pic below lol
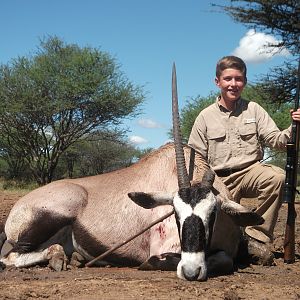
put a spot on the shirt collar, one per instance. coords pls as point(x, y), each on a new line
point(221, 107)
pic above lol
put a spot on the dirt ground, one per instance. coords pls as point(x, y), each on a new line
point(281, 281)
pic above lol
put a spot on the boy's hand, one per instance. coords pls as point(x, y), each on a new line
point(296, 115)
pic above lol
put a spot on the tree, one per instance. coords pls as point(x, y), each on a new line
point(98, 153)
point(279, 86)
point(140, 153)
point(13, 166)
point(52, 99)
point(279, 17)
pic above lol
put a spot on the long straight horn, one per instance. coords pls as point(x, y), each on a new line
point(183, 178)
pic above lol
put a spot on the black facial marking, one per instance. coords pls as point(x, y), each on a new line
point(212, 219)
point(193, 235)
point(194, 194)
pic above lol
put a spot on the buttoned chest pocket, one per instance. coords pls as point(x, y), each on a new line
point(248, 138)
point(217, 146)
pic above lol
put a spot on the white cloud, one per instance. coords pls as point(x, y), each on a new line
point(148, 123)
point(137, 140)
point(254, 47)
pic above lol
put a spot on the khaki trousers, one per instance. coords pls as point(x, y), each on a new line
point(264, 182)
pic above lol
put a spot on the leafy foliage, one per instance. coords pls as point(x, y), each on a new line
point(280, 84)
point(279, 17)
point(54, 98)
point(97, 154)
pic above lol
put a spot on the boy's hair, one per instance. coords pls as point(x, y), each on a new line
point(231, 62)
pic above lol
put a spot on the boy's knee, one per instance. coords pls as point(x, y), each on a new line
point(276, 175)
point(279, 178)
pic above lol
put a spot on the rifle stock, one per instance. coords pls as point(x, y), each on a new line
point(290, 185)
point(289, 239)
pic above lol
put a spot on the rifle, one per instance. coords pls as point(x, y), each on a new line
point(290, 185)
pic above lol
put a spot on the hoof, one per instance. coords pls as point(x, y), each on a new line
point(6, 248)
point(58, 263)
point(77, 260)
point(57, 258)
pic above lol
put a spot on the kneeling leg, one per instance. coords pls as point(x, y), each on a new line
point(55, 255)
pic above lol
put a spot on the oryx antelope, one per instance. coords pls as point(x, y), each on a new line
point(90, 215)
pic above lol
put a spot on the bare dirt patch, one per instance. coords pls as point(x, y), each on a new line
point(281, 281)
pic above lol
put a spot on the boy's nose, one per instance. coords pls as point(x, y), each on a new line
point(233, 82)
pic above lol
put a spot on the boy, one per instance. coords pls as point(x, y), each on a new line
point(231, 134)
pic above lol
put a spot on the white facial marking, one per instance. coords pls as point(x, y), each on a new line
point(189, 261)
point(204, 209)
point(183, 209)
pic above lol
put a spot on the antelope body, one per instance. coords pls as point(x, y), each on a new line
point(92, 214)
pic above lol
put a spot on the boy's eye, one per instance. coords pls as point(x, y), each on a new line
point(240, 79)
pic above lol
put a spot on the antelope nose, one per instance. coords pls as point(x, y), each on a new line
point(191, 274)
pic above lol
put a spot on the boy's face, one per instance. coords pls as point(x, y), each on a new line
point(231, 83)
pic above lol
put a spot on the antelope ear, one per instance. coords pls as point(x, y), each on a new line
point(240, 214)
point(151, 200)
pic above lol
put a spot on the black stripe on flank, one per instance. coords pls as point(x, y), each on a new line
point(193, 235)
point(43, 226)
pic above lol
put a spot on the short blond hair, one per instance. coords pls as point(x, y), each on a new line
point(231, 62)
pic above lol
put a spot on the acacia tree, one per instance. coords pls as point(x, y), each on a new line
point(279, 17)
point(98, 153)
point(55, 97)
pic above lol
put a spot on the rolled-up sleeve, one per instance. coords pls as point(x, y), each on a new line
point(268, 131)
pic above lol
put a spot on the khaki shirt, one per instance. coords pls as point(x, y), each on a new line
point(235, 139)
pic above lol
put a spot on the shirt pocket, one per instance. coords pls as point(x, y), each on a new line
point(248, 138)
point(217, 146)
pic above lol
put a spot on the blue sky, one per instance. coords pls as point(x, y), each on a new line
point(145, 37)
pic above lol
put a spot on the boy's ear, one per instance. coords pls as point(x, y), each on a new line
point(217, 81)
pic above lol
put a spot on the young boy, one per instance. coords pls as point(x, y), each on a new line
point(231, 134)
